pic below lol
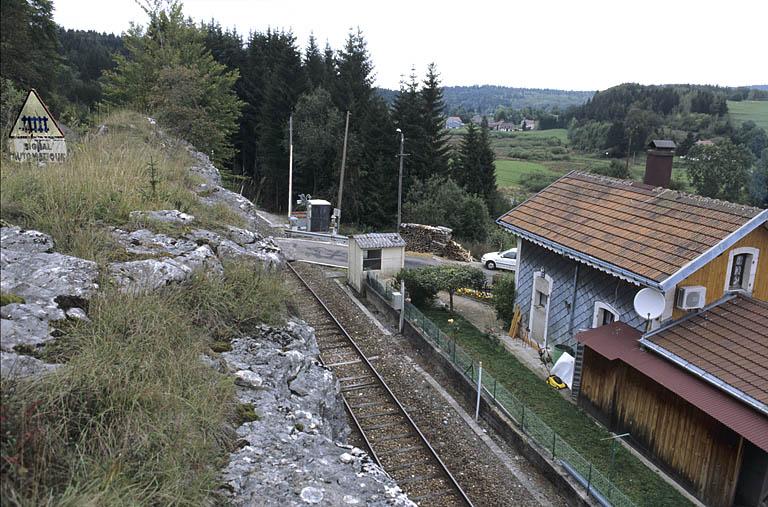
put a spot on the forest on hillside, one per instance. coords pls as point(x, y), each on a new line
point(232, 95)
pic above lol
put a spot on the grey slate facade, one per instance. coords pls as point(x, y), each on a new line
point(572, 300)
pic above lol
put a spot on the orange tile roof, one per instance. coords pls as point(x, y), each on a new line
point(728, 340)
point(649, 232)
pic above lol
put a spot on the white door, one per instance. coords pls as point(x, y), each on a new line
point(540, 300)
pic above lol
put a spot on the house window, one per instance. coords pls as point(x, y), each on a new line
point(371, 260)
point(737, 271)
point(604, 314)
point(541, 298)
point(742, 266)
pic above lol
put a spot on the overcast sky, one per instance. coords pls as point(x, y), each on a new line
point(565, 44)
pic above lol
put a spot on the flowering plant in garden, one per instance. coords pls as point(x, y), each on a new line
point(473, 293)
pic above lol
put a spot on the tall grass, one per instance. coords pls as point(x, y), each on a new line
point(105, 178)
point(134, 417)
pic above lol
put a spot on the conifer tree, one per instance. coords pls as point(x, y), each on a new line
point(371, 171)
point(169, 73)
point(407, 116)
point(476, 171)
point(283, 85)
point(435, 144)
point(314, 64)
point(29, 44)
point(329, 64)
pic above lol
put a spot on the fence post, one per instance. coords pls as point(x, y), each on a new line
point(494, 388)
point(554, 437)
point(479, 388)
point(522, 420)
point(402, 308)
point(589, 480)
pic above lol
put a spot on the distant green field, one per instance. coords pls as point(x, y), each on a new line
point(755, 110)
point(561, 134)
point(508, 172)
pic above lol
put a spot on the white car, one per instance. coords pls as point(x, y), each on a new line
point(501, 260)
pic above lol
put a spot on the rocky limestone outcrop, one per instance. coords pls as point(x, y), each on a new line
point(292, 454)
point(212, 193)
point(433, 239)
point(52, 287)
point(170, 216)
point(175, 259)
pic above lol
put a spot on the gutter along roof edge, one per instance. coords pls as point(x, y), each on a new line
point(707, 377)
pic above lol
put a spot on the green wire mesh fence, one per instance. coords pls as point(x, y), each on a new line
point(523, 417)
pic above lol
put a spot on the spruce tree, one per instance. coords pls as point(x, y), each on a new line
point(329, 65)
point(28, 44)
point(407, 116)
point(468, 159)
point(486, 166)
point(285, 82)
point(435, 145)
point(370, 195)
point(476, 171)
point(314, 64)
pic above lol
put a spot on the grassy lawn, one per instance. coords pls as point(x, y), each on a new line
point(755, 110)
point(561, 134)
point(638, 482)
point(508, 172)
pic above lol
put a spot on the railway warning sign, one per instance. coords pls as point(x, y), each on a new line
point(35, 134)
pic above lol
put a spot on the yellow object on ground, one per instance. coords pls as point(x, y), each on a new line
point(556, 382)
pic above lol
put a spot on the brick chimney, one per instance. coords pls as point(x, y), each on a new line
point(658, 165)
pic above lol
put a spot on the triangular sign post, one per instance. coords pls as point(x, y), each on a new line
point(34, 120)
point(35, 134)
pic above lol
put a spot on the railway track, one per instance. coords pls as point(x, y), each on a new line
point(393, 439)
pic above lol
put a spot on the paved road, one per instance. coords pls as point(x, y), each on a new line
point(329, 253)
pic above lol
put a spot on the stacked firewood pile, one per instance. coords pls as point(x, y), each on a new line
point(433, 239)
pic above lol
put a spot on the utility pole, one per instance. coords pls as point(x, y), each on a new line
point(400, 181)
point(290, 166)
point(341, 175)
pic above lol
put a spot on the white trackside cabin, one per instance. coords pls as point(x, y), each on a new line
point(382, 253)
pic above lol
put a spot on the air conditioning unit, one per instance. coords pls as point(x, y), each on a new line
point(691, 297)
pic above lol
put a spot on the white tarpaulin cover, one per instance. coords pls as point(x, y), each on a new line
point(563, 368)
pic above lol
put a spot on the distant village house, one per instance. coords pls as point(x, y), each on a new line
point(453, 122)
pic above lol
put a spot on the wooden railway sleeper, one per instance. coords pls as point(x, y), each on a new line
point(420, 478)
point(399, 436)
point(383, 426)
point(401, 450)
point(357, 387)
point(378, 414)
point(358, 377)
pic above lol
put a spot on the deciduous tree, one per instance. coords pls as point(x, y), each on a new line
point(169, 73)
point(719, 170)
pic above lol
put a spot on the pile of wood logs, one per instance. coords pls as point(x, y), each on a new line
point(433, 239)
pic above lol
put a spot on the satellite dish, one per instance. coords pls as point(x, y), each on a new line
point(649, 303)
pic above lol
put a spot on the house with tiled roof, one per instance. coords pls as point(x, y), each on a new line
point(689, 384)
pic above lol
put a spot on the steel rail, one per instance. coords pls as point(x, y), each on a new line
point(390, 394)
